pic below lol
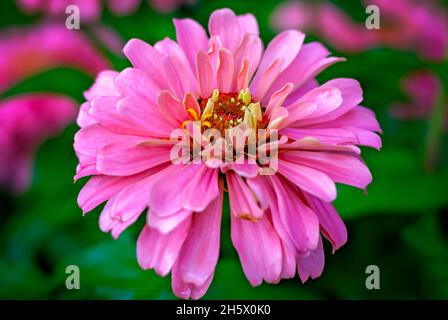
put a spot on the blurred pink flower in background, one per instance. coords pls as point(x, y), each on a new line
point(276, 220)
point(90, 10)
point(416, 25)
point(293, 15)
point(25, 122)
point(423, 87)
point(27, 51)
point(341, 31)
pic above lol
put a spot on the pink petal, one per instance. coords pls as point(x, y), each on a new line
point(309, 62)
point(191, 37)
point(84, 171)
point(103, 86)
point(171, 107)
point(146, 58)
point(284, 46)
point(135, 83)
point(314, 145)
point(248, 23)
point(186, 291)
point(266, 79)
point(243, 76)
point(340, 167)
point(299, 221)
point(251, 48)
point(319, 101)
point(277, 99)
point(331, 223)
point(204, 73)
point(351, 95)
point(88, 140)
point(323, 135)
point(289, 263)
point(191, 187)
point(101, 188)
point(359, 117)
point(132, 200)
point(169, 47)
point(199, 255)
point(123, 159)
point(190, 102)
point(259, 249)
point(115, 226)
point(121, 116)
point(84, 119)
point(144, 118)
point(310, 180)
point(242, 201)
point(312, 265)
point(225, 71)
point(159, 251)
point(225, 24)
point(179, 76)
point(165, 224)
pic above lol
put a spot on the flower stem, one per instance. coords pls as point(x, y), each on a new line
point(435, 130)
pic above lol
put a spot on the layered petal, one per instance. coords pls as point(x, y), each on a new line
point(196, 263)
point(259, 249)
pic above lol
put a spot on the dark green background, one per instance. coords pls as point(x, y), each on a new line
point(401, 226)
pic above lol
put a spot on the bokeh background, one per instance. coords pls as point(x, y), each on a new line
point(401, 225)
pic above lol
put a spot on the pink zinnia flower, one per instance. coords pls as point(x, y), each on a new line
point(405, 24)
point(30, 50)
point(223, 80)
point(90, 10)
point(414, 24)
point(25, 122)
point(423, 87)
point(327, 21)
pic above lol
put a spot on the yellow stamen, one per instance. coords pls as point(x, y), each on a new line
point(247, 98)
point(206, 116)
point(184, 124)
point(208, 108)
point(252, 115)
point(193, 113)
point(206, 124)
point(240, 95)
point(215, 95)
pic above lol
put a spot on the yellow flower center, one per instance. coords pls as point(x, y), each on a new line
point(222, 111)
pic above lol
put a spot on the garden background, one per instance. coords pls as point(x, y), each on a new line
point(401, 225)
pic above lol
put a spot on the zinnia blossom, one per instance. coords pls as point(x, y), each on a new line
point(404, 24)
point(423, 87)
point(28, 120)
point(25, 122)
point(27, 51)
point(223, 81)
point(90, 10)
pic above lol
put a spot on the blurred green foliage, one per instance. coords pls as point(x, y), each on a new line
point(401, 226)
